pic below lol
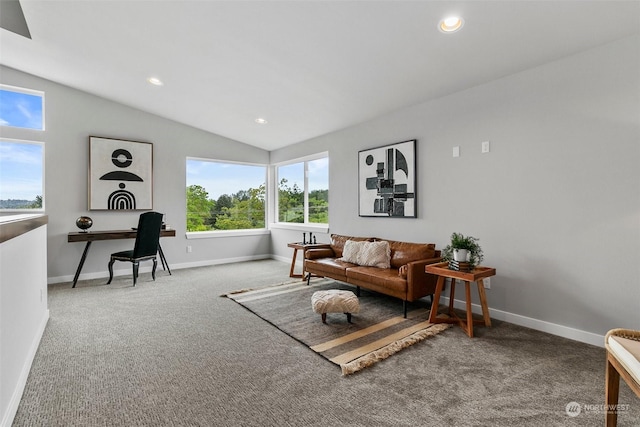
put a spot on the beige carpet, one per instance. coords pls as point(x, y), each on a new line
point(377, 332)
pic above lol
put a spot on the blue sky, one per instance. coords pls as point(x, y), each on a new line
point(227, 178)
point(20, 109)
point(20, 170)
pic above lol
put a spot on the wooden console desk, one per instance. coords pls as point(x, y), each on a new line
point(92, 236)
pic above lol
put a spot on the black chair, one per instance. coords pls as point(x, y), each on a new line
point(146, 246)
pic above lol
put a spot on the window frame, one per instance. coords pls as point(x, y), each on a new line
point(306, 225)
point(26, 91)
point(43, 147)
point(208, 234)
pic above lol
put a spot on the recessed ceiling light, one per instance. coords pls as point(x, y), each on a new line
point(261, 121)
point(450, 24)
point(155, 81)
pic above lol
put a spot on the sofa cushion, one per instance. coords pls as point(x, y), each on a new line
point(405, 252)
point(329, 267)
point(387, 278)
point(338, 241)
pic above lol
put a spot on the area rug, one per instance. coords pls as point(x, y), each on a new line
point(378, 331)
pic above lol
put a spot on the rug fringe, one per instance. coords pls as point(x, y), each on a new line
point(390, 349)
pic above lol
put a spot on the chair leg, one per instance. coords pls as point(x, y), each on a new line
point(153, 272)
point(136, 265)
point(612, 386)
point(111, 270)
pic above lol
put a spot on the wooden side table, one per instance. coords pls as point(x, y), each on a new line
point(299, 246)
point(478, 273)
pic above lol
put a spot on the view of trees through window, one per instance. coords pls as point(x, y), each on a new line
point(225, 196)
point(303, 192)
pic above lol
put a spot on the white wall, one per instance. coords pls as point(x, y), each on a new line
point(71, 116)
point(23, 313)
point(555, 204)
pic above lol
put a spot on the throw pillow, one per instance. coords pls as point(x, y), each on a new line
point(375, 254)
point(351, 250)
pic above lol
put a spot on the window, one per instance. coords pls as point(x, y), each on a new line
point(303, 191)
point(21, 175)
point(21, 108)
point(225, 196)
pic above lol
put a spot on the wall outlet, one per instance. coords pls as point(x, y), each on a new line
point(486, 282)
point(456, 151)
point(485, 146)
point(189, 249)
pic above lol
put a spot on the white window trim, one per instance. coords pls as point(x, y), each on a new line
point(28, 92)
point(213, 234)
point(306, 226)
point(44, 175)
point(226, 233)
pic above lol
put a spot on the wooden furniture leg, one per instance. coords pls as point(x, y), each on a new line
point(436, 300)
point(612, 386)
point(483, 303)
point(293, 263)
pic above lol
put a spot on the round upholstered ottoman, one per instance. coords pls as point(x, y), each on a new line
point(335, 301)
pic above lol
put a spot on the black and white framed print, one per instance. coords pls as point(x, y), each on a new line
point(120, 174)
point(387, 180)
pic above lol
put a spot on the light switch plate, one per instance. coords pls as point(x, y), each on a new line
point(456, 151)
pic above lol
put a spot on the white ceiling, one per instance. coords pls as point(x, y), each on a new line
point(308, 67)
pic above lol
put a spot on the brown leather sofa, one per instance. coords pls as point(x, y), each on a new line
point(405, 279)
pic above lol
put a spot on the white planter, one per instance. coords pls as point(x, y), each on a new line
point(460, 254)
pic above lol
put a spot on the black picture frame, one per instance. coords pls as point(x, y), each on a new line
point(387, 181)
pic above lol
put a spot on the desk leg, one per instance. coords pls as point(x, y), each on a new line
point(84, 256)
point(163, 259)
point(436, 300)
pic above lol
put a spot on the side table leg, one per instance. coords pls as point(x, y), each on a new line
point(164, 259)
point(436, 299)
point(452, 293)
point(79, 269)
point(293, 262)
point(467, 288)
point(483, 303)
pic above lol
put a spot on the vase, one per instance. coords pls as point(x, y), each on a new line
point(460, 254)
point(84, 223)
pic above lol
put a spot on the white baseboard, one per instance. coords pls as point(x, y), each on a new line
point(529, 322)
point(147, 268)
point(16, 396)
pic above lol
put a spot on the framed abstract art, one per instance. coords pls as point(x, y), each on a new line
point(387, 180)
point(120, 174)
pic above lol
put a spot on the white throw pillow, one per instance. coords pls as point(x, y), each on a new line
point(375, 254)
point(351, 250)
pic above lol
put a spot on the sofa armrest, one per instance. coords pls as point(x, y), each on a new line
point(319, 253)
point(419, 282)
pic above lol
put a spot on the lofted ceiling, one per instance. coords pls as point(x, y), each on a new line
point(307, 67)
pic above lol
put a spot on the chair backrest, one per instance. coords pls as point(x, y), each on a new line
point(148, 236)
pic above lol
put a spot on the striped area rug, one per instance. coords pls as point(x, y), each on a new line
point(378, 331)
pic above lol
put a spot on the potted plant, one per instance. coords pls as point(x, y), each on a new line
point(463, 249)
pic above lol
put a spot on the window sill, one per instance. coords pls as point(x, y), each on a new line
point(226, 233)
point(314, 228)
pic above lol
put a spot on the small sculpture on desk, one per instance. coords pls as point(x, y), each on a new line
point(84, 223)
point(304, 238)
point(314, 240)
